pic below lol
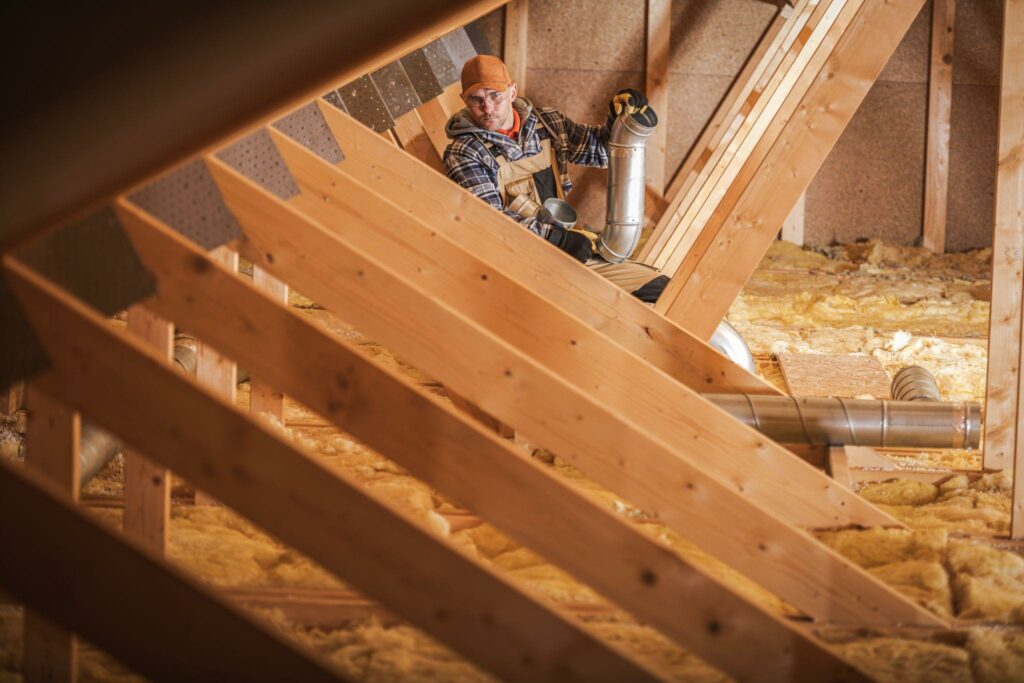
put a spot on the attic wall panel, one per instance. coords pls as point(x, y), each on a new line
point(972, 172)
point(871, 183)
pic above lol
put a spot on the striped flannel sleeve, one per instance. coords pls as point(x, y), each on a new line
point(464, 164)
point(585, 145)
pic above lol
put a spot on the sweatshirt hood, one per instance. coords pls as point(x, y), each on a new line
point(461, 123)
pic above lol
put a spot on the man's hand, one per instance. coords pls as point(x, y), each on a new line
point(627, 101)
point(573, 243)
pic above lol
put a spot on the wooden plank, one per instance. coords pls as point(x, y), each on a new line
point(659, 28)
point(730, 247)
point(128, 134)
point(562, 344)
point(838, 466)
point(434, 119)
point(521, 497)
point(504, 244)
point(147, 485)
point(517, 15)
point(1008, 275)
point(551, 412)
point(810, 45)
point(214, 370)
point(264, 398)
point(834, 375)
point(1004, 339)
point(53, 439)
point(11, 398)
point(722, 127)
point(414, 139)
point(940, 105)
point(315, 509)
point(451, 99)
point(793, 227)
point(111, 590)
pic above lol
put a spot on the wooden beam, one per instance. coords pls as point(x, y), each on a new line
point(521, 497)
point(659, 28)
point(749, 216)
point(413, 137)
point(1004, 404)
point(800, 57)
point(505, 244)
point(504, 381)
point(563, 344)
point(53, 439)
point(434, 119)
point(147, 485)
point(314, 509)
point(940, 105)
point(264, 397)
point(517, 14)
point(839, 466)
point(721, 126)
point(273, 57)
point(121, 597)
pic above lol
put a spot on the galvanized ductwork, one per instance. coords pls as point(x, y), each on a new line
point(914, 383)
point(857, 422)
point(625, 204)
point(727, 341)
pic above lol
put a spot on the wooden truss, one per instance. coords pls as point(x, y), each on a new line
point(571, 362)
point(812, 76)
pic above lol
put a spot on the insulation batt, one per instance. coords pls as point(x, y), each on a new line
point(898, 304)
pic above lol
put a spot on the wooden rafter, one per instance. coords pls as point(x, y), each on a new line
point(316, 510)
point(517, 14)
point(659, 27)
point(1003, 433)
point(110, 590)
point(402, 309)
point(464, 462)
point(778, 170)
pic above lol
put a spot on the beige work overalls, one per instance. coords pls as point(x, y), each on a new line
point(518, 189)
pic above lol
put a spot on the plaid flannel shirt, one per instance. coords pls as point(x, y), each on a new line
point(470, 163)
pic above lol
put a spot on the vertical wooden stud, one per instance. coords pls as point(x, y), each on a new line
point(264, 398)
point(659, 26)
point(517, 13)
point(1004, 435)
point(940, 101)
point(53, 441)
point(213, 370)
point(793, 228)
point(147, 486)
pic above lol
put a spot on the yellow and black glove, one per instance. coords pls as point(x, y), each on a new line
point(573, 243)
point(627, 101)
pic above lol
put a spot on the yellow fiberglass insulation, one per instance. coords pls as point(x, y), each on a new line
point(849, 299)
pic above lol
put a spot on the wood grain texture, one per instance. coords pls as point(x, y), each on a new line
point(53, 439)
point(110, 588)
point(659, 29)
point(517, 17)
point(940, 106)
point(724, 257)
point(413, 137)
point(504, 244)
point(147, 485)
point(513, 492)
point(264, 397)
point(316, 510)
point(509, 384)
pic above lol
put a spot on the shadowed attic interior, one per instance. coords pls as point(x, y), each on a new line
point(416, 485)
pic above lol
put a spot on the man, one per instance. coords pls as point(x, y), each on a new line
point(515, 156)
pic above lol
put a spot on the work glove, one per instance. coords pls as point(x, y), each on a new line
point(627, 101)
point(573, 243)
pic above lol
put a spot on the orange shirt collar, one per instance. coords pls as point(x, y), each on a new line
point(512, 132)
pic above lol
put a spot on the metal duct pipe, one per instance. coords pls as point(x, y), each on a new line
point(625, 204)
point(914, 383)
point(98, 446)
point(834, 421)
point(727, 341)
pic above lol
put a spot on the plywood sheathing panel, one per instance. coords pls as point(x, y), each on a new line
point(459, 47)
point(871, 185)
point(487, 33)
point(395, 88)
point(835, 376)
point(422, 77)
point(441, 63)
point(972, 173)
point(256, 157)
point(363, 101)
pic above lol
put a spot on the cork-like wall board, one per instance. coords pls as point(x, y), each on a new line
point(256, 157)
point(307, 126)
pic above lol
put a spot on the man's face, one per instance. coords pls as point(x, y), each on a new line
point(492, 109)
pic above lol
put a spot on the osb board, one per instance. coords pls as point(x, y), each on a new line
point(817, 374)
